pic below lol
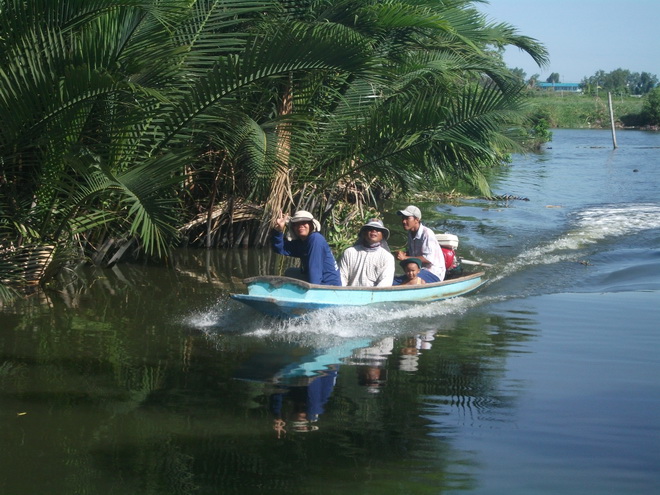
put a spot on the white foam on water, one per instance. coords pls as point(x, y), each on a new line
point(204, 318)
point(591, 226)
point(222, 316)
point(326, 327)
point(618, 220)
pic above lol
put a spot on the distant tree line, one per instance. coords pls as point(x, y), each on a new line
point(620, 82)
point(651, 109)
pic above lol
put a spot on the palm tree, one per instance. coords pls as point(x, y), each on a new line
point(123, 120)
point(110, 104)
point(432, 104)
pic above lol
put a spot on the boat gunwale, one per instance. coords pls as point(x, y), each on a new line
point(278, 281)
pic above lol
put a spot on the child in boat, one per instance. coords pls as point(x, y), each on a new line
point(411, 268)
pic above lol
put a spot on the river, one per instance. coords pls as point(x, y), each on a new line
point(150, 380)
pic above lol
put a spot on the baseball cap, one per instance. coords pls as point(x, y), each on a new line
point(410, 211)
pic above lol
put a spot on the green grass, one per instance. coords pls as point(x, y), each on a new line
point(578, 111)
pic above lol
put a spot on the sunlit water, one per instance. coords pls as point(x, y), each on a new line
point(151, 380)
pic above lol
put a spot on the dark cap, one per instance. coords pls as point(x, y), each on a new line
point(405, 262)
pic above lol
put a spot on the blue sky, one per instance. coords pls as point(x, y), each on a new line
point(583, 36)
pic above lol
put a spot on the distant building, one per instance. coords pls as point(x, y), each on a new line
point(570, 87)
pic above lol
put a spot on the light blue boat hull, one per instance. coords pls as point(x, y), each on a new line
point(288, 297)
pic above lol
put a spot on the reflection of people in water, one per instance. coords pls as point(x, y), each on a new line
point(413, 348)
point(373, 378)
point(372, 360)
point(302, 403)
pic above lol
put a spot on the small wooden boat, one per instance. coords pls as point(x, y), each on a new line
point(288, 297)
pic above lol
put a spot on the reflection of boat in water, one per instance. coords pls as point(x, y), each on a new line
point(286, 297)
point(287, 364)
point(299, 391)
point(299, 381)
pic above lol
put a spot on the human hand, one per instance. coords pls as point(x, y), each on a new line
point(278, 426)
point(281, 221)
point(400, 255)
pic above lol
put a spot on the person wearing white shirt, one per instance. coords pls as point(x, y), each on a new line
point(368, 263)
point(422, 244)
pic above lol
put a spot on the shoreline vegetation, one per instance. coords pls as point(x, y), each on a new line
point(581, 111)
point(130, 128)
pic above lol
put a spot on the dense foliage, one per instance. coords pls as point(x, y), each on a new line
point(127, 123)
point(580, 111)
point(553, 78)
point(620, 82)
point(651, 109)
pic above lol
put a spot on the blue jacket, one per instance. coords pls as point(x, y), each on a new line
point(317, 261)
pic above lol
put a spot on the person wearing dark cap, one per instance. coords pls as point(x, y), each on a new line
point(411, 268)
point(422, 244)
point(317, 263)
point(368, 263)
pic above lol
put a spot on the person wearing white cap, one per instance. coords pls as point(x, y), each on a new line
point(422, 244)
point(368, 263)
point(317, 263)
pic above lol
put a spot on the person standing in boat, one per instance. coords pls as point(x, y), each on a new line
point(317, 263)
point(422, 244)
point(368, 263)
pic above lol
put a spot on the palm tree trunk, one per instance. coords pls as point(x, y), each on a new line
point(208, 242)
point(281, 197)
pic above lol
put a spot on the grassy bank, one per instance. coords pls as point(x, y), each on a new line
point(575, 111)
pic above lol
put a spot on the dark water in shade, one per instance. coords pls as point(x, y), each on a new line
point(150, 380)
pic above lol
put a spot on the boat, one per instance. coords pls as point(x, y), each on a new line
point(289, 297)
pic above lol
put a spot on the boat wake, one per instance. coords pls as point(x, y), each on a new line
point(317, 329)
point(590, 226)
point(326, 326)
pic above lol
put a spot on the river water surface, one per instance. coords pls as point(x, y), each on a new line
point(150, 380)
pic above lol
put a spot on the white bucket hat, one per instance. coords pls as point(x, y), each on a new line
point(303, 216)
point(374, 223)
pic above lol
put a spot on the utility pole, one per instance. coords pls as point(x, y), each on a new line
point(609, 97)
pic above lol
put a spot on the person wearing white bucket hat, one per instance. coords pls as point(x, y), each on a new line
point(368, 263)
point(317, 263)
point(422, 244)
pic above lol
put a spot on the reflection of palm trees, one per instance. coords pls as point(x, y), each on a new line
point(121, 391)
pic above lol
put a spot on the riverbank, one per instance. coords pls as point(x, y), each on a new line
point(580, 111)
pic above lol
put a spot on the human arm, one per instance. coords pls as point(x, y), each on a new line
point(402, 255)
point(386, 277)
point(277, 236)
point(315, 253)
point(344, 265)
point(431, 253)
point(277, 242)
point(284, 247)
